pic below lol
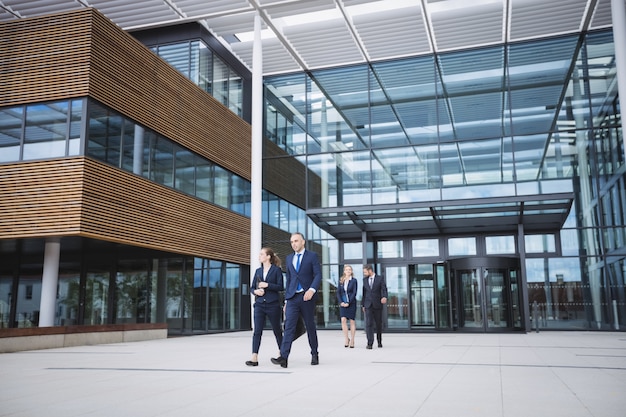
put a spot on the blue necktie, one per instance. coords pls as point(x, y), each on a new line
point(298, 269)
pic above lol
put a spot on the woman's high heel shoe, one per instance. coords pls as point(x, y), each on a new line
point(347, 343)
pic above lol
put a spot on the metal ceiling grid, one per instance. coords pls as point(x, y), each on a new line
point(350, 36)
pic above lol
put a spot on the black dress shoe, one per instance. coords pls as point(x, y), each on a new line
point(368, 347)
point(315, 359)
point(252, 363)
point(280, 361)
point(380, 344)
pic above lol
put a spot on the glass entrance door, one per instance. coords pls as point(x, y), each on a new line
point(485, 295)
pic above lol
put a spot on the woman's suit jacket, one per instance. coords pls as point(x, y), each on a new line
point(351, 293)
point(274, 280)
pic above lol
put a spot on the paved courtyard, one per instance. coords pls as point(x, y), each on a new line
point(569, 374)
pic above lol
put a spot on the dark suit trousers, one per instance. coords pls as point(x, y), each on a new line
point(296, 306)
point(374, 318)
point(274, 313)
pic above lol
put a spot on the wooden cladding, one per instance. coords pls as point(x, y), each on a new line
point(83, 197)
point(82, 53)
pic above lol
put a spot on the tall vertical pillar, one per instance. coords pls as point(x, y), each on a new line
point(49, 281)
point(618, 18)
point(256, 174)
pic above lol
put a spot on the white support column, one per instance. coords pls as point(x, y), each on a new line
point(256, 174)
point(49, 281)
point(618, 17)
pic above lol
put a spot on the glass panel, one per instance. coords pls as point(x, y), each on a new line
point(216, 296)
point(46, 130)
point(403, 175)
point(515, 300)
point(557, 286)
point(221, 73)
point(539, 243)
point(28, 298)
point(204, 178)
point(235, 93)
point(76, 125)
point(10, 133)
point(443, 297)
point(162, 163)
point(461, 246)
point(179, 293)
point(497, 306)
point(345, 89)
point(471, 314)
point(390, 249)
point(425, 247)
point(132, 292)
point(471, 77)
point(97, 297)
point(185, 170)
point(499, 245)
point(6, 283)
point(397, 302)
point(68, 299)
point(422, 295)
point(232, 297)
point(177, 55)
point(221, 188)
point(353, 250)
point(200, 294)
point(205, 66)
point(127, 150)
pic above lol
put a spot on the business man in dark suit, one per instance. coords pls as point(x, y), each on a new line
point(303, 278)
point(374, 296)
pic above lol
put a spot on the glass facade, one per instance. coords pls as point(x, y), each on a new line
point(512, 151)
point(195, 60)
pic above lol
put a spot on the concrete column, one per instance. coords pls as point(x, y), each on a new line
point(256, 175)
point(618, 18)
point(49, 281)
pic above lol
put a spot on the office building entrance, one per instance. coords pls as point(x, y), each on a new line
point(478, 294)
point(486, 294)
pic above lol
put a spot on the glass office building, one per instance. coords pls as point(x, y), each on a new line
point(487, 184)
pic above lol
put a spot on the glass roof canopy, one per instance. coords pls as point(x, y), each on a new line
point(472, 141)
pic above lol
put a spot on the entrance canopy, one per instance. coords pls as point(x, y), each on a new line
point(535, 213)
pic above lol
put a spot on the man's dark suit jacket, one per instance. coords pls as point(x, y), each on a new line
point(372, 296)
point(309, 276)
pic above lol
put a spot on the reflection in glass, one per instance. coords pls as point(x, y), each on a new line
point(397, 302)
point(422, 295)
point(68, 299)
point(97, 297)
point(462, 246)
point(45, 130)
point(10, 133)
point(425, 247)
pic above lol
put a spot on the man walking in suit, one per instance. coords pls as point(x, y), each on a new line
point(374, 296)
point(303, 278)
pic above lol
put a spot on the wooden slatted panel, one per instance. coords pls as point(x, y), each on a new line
point(80, 53)
point(40, 198)
point(122, 207)
point(82, 197)
point(44, 58)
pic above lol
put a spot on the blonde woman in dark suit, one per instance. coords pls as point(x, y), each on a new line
point(346, 296)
